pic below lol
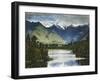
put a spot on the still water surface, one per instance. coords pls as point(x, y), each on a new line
point(62, 58)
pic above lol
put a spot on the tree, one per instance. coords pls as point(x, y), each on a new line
point(34, 38)
point(27, 37)
point(28, 41)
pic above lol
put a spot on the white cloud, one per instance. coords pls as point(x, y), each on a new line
point(48, 19)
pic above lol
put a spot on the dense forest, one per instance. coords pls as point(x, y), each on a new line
point(35, 56)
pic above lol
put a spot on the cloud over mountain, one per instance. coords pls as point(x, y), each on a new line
point(49, 19)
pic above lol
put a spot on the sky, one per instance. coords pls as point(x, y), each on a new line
point(49, 19)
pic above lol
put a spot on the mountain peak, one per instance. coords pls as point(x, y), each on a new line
point(63, 33)
point(56, 26)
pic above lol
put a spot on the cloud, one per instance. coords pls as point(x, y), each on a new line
point(48, 19)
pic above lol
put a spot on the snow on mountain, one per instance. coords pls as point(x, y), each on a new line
point(55, 33)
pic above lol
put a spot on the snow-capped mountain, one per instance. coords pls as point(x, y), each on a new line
point(56, 33)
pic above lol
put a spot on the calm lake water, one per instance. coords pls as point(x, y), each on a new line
point(62, 58)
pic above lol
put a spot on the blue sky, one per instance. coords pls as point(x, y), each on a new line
point(48, 19)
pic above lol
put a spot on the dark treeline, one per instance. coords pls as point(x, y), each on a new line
point(81, 49)
point(35, 56)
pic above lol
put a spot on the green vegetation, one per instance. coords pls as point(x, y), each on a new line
point(35, 57)
point(46, 37)
point(81, 49)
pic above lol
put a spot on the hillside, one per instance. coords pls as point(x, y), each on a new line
point(46, 37)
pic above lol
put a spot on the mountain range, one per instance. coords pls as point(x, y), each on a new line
point(55, 34)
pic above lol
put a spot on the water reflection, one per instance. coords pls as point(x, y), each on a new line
point(62, 58)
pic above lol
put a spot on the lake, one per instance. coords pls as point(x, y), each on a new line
point(62, 58)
